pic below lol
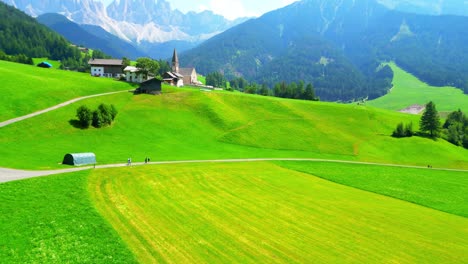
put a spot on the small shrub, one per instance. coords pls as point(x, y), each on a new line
point(97, 119)
point(106, 114)
point(113, 112)
point(403, 130)
point(399, 131)
point(409, 130)
point(84, 115)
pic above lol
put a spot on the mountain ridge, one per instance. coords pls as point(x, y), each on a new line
point(90, 36)
point(134, 21)
point(339, 47)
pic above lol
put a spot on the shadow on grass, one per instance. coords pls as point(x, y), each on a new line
point(76, 124)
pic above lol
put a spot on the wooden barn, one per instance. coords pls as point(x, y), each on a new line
point(151, 86)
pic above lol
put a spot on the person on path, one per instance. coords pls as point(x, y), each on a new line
point(129, 161)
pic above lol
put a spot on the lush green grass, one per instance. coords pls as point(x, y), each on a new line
point(262, 213)
point(52, 220)
point(443, 190)
point(408, 90)
point(55, 64)
point(201, 78)
point(26, 89)
point(186, 124)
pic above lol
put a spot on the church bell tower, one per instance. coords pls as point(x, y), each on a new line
point(175, 62)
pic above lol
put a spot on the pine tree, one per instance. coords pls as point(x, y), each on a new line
point(430, 121)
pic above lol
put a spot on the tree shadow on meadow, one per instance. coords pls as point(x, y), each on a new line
point(76, 124)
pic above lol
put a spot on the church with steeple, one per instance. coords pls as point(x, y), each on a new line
point(180, 76)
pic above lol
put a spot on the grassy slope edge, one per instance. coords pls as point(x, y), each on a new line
point(442, 190)
point(222, 125)
point(26, 89)
point(408, 90)
point(52, 220)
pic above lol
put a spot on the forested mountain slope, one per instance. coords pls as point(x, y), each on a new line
point(339, 47)
point(22, 34)
point(93, 37)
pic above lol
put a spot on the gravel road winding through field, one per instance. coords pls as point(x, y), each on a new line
point(7, 175)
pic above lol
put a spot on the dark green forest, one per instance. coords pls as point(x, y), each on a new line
point(21, 35)
point(339, 48)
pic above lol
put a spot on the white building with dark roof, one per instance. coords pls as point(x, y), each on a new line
point(135, 75)
point(109, 68)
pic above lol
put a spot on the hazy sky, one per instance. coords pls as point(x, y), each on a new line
point(228, 8)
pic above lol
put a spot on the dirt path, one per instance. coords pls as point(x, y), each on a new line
point(21, 118)
point(7, 175)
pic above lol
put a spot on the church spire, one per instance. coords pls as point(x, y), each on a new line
point(175, 62)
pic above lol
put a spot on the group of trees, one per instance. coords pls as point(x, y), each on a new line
point(295, 91)
point(104, 115)
point(149, 66)
point(20, 58)
point(216, 79)
point(292, 90)
point(454, 130)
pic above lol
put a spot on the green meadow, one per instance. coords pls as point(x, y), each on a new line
point(185, 124)
point(245, 212)
point(263, 213)
point(408, 90)
point(442, 190)
point(26, 88)
point(53, 220)
point(253, 212)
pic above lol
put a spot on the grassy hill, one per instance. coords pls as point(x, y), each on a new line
point(408, 90)
point(272, 212)
point(190, 124)
point(26, 89)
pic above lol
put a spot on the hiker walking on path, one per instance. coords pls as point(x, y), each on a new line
point(129, 161)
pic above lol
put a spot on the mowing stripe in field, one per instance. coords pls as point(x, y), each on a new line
point(260, 212)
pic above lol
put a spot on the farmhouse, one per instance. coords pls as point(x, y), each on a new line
point(109, 68)
point(134, 75)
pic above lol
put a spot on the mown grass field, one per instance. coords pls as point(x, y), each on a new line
point(26, 88)
point(442, 190)
point(187, 124)
point(408, 90)
point(53, 220)
point(263, 213)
